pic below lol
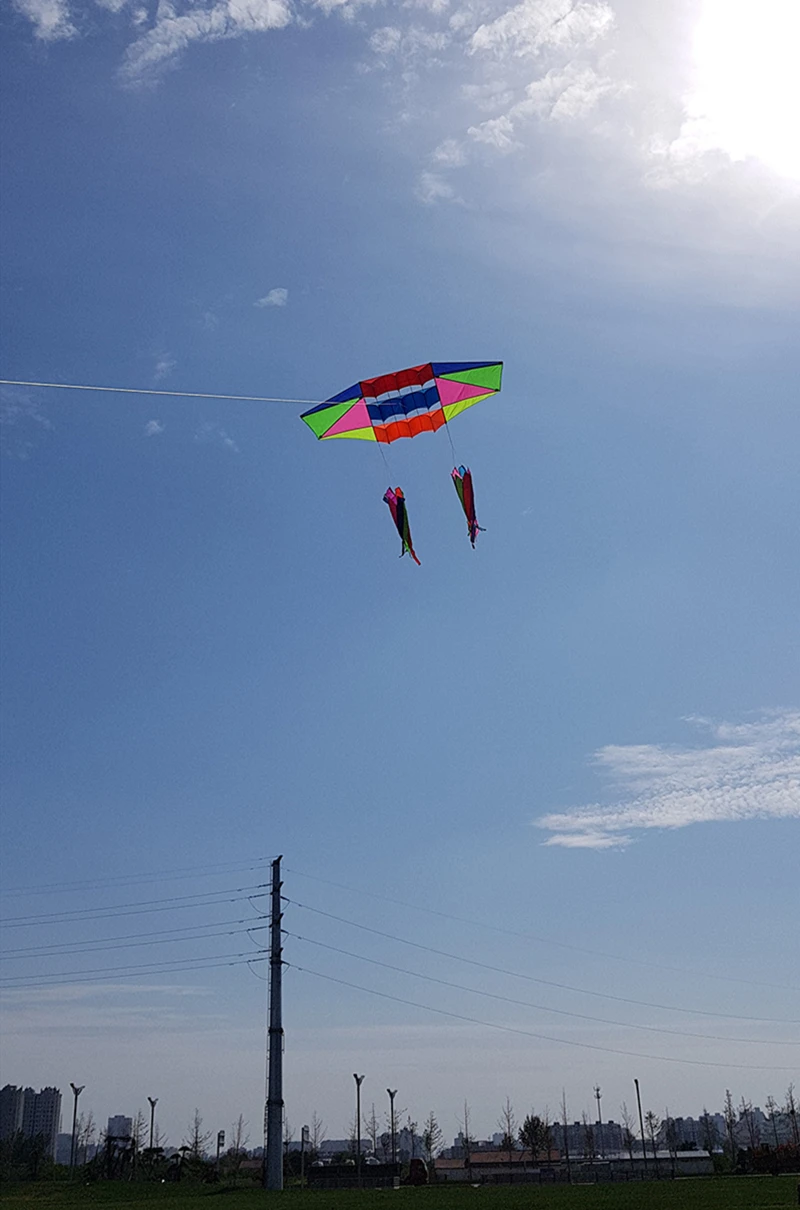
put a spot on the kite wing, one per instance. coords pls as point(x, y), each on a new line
point(397, 507)
point(417, 400)
point(462, 478)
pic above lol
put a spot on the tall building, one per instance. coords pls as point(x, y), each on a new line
point(119, 1127)
point(11, 1099)
point(31, 1112)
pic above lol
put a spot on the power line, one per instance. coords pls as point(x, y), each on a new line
point(533, 979)
point(511, 1029)
point(75, 386)
point(12, 981)
point(580, 949)
point(563, 1012)
point(243, 961)
point(210, 871)
point(120, 944)
point(77, 914)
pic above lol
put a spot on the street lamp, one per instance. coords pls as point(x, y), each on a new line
point(641, 1125)
point(601, 1146)
point(153, 1102)
point(359, 1081)
point(392, 1094)
point(77, 1089)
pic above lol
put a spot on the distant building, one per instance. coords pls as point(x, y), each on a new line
point(31, 1112)
point(119, 1127)
point(11, 1100)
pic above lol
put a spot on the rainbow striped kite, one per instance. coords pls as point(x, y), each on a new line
point(413, 401)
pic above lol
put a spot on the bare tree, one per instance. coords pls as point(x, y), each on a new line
point(772, 1114)
point(237, 1152)
point(628, 1129)
point(411, 1127)
point(709, 1135)
point(196, 1139)
point(316, 1133)
point(466, 1136)
point(588, 1136)
point(432, 1138)
point(508, 1125)
point(671, 1138)
point(653, 1126)
point(730, 1124)
point(84, 1136)
point(138, 1130)
point(565, 1127)
point(372, 1128)
point(753, 1132)
point(791, 1112)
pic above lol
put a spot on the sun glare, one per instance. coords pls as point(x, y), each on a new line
point(746, 99)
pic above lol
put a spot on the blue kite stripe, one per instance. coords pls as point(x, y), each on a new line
point(402, 406)
point(455, 367)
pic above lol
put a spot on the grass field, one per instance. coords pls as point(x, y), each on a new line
point(732, 1193)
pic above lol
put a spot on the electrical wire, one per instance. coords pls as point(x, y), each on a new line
point(12, 981)
point(563, 1012)
point(134, 974)
point(78, 914)
point(532, 978)
point(121, 880)
point(580, 949)
point(527, 1033)
point(120, 944)
point(75, 386)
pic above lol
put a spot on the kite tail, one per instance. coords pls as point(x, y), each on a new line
point(462, 480)
point(397, 507)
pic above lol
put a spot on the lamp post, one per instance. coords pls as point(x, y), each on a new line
point(599, 1122)
point(392, 1094)
point(641, 1125)
point(153, 1102)
point(77, 1089)
point(359, 1081)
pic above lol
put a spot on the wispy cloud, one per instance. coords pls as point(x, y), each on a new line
point(213, 433)
point(530, 27)
point(175, 30)
point(747, 771)
point(22, 422)
point(50, 18)
point(277, 297)
point(164, 366)
point(153, 428)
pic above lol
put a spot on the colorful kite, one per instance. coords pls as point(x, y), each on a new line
point(397, 507)
point(405, 404)
point(462, 478)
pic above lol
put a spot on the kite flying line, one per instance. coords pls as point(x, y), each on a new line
point(75, 386)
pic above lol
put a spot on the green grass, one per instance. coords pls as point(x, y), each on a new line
point(721, 1193)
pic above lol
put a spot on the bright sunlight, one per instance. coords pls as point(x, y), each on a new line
point(746, 100)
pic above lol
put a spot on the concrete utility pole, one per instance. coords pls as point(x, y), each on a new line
point(153, 1102)
point(392, 1094)
point(641, 1125)
point(599, 1121)
point(273, 1169)
point(359, 1081)
point(77, 1089)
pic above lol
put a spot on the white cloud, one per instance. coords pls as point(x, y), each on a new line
point(431, 187)
point(173, 32)
point(569, 94)
point(50, 18)
point(22, 422)
point(278, 297)
point(748, 771)
point(164, 366)
point(531, 26)
point(153, 428)
point(214, 433)
point(450, 154)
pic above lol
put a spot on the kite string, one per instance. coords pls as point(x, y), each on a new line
point(75, 386)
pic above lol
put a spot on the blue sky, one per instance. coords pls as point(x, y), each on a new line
point(586, 731)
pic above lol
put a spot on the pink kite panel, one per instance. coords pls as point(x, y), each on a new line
point(455, 392)
point(357, 417)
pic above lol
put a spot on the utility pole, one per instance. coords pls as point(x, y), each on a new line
point(641, 1125)
point(599, 1121)
point(359, 1081)
point(273, 1169)
point(153, 1102)
point(392, 1094)
point(77, 1089)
